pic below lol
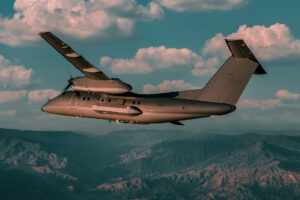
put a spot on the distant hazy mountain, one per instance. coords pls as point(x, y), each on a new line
point(149, 165)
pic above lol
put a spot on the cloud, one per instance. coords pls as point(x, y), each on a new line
point(270, 103)
point(285, 94)
point(108, 20)
point(8, 96)
point(125, 66)
point(34, 95)
point(267, 43)
point(8, 113)
point(168, 86)
point(201, 5)
point(206, 66)
point(148, 59)
point(13, 76)
point(262, 104)
point(40, 95)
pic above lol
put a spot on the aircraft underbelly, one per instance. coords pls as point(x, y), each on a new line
point(132, 117)
point(149, 112)
point(144, 118)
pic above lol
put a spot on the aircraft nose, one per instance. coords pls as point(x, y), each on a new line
point(46, 107)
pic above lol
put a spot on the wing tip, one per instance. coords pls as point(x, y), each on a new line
point(43, 33)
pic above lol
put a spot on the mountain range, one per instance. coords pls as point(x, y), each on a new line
point(149, 164)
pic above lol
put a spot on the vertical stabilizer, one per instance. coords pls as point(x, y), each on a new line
point(228, 83)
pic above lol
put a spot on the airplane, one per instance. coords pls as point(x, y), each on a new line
point(97, 95)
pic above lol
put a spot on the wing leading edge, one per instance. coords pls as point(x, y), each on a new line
point(89, 70)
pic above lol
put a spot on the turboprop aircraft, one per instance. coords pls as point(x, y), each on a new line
point(96, 95)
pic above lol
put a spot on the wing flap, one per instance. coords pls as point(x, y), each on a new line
point(73, 57)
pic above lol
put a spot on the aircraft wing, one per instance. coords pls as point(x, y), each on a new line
point(73, 57)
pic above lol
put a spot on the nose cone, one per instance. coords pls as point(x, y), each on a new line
point(44, 108)
point(47, 107)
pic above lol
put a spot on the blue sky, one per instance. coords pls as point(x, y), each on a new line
point(157, 46)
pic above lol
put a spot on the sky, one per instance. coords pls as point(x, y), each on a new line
point(156, 46)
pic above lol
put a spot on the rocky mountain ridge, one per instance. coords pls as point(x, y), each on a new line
point(149, 165)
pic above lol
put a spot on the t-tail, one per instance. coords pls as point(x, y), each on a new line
point(229, 82)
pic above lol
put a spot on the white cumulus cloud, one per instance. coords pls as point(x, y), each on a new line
point(40, 95)
point(106, 19)
point(10, 95)
point(206, 66)
point(267, 43)
point(262, 104)
point(148, 59)
point(8, 113)
point(270, 103)
point(285, 94)
point(201, 5)
point(168, 86)
point(12, 76)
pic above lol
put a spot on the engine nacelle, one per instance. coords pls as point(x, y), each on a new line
point(112, 86)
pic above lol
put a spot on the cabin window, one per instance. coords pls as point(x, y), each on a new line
point(139, 102)
point(102, 99)
point(83, 98)
point(88, 98)
point(108, 100)
point(133, 102)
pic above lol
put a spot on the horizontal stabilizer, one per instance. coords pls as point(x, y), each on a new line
point(239, 49)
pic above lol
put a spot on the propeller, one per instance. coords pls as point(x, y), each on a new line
point(70, 83)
